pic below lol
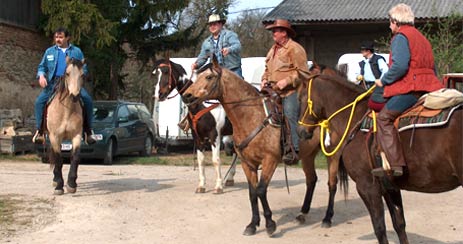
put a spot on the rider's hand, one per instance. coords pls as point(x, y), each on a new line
point(225, 51)
point(263, 83)
point(42, 81)
point(281, 84)
point(378, 83)
point(193, 66)
point(359, 77)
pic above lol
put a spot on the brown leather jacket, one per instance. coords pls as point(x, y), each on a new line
point(289, 62)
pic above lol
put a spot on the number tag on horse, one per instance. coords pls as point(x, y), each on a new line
point(66, 147)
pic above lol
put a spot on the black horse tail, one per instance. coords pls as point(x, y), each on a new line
point(344, 178)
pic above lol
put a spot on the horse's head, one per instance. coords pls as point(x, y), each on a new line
point(74, 76)
point(170, 76)
point(207, 84)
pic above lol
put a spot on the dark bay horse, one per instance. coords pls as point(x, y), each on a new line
point(64, 122)
point(243, 105)
point(431, 168)
point(208, 127)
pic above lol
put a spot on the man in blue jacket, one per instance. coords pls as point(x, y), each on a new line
point(50, 70)
point(224, 43)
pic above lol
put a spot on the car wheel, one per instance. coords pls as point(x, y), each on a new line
point(108, 159)
point(148, 147)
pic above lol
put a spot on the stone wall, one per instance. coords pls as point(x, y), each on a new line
point(20, 53)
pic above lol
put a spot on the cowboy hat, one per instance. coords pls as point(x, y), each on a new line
point(368, 45)
point(282, 23)
point(215, 18)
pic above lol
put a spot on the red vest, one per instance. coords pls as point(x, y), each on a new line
point(420, 75)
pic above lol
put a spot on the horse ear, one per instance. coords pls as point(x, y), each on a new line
point(68, 59)
point(83, 61)
point(215, 62)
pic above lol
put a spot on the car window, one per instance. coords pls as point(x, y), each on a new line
point(133, 112)
point(123, 114)
point(103, 114)
point(144, 113)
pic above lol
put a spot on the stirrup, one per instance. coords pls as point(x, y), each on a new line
point(290, 158)
point(38, 138)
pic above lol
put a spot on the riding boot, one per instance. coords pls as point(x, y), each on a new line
point(88, 136)
point(38, 137)
point(389, 141)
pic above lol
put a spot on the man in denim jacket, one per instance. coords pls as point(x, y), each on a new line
point(224, 44)
point(50, 69)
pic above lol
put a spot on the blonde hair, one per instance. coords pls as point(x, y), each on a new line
point(402, 14)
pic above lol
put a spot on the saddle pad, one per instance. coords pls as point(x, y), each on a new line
point(415, 119)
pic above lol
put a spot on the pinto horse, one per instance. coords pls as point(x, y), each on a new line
point(207, 125)
point(431, 168)
point(64, 122)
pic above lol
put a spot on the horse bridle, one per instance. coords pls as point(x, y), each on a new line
point(173, 82)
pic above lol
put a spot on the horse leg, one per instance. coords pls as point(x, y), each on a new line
point(251, 175)
point(202, 176)
point(55, 160)
point(333, 164)
point(394, 203)
point(370, 193)
point(72, 176)
point(268, 168)
point(309, 152)
point(218, 189)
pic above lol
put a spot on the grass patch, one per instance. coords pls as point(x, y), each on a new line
point(20, 157)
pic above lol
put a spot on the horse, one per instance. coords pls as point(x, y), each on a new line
point(65, 122)
point(256, 143)
point(430, 173)
point(208, 124)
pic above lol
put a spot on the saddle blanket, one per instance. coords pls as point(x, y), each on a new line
point(418, 117)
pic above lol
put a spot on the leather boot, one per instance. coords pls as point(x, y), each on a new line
point(389, 141)
point(88, 137)
point(38, 137)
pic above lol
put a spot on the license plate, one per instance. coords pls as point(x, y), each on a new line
point(66, 147)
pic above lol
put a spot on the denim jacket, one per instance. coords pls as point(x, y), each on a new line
point(49, 61)
point(227, 39)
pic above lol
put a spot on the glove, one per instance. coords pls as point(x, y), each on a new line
point(359, 77)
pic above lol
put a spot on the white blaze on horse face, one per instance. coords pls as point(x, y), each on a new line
point(73, 79)
point(157, 87)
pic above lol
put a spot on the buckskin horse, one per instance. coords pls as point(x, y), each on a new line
point(207, 124)
point(64, 122)
point(259, 143)
point(431, 168)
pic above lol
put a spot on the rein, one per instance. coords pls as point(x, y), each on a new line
point(324, 124)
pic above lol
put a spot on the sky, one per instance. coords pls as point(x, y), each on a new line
point(250, 4)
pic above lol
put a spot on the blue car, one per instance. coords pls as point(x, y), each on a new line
point(119, 128)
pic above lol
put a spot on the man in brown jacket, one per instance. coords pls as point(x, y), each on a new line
point(285, 67)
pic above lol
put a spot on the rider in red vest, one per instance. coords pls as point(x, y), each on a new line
point(411, 74)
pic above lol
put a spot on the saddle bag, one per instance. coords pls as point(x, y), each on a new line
point(443, 98)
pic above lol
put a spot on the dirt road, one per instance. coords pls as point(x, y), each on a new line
point(157, 204)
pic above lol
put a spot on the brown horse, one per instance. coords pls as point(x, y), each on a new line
point(208, 126)
point(64, 122)
point(439, 171)
point(243, 105)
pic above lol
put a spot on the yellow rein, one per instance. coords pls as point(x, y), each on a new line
point(324, 124)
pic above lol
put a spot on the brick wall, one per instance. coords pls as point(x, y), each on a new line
point(20, 53)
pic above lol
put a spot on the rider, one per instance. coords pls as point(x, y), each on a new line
point(224, 43)
point(50, 70)
point(411, 73)
point(286, 64)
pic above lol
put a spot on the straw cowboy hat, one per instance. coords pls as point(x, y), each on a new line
point(282, 23)
point(215, 18)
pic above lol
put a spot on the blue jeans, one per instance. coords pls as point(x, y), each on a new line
point(401, 103)
point(45, 94)
point(291, 112)
point(238, 71)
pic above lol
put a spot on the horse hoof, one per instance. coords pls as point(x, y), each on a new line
point(249, 231)
point(218, 191)
point(326, 224)
point(271, 227)
point(71, 189)
point(58, 192)
point(200, 190)
point(54, 184)
point(230, 183)
point(300, 219)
